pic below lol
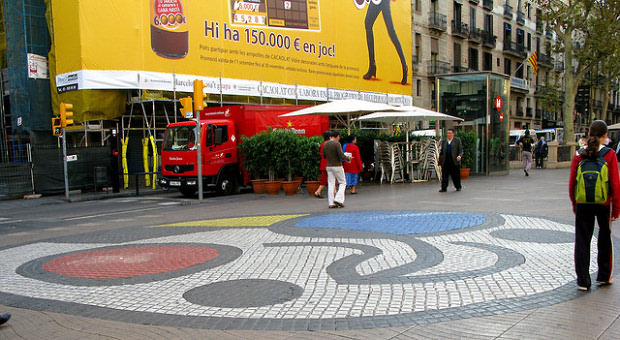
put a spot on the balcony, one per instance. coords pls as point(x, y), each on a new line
point(545, 60)
point(521, 85)
point(438, 21)
point(438, 67)
point(488, 40)
point(508, 12)
point(558, 66)
point(514, 49)
point(548, 33)
point(475, 35)
point(487, 4)
point(474, 1)
point(460, 30)
point(459, 69)
point(520, 18)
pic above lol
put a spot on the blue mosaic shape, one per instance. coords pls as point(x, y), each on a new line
point(399, 223)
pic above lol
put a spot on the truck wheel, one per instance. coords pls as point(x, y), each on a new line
point(187, 191)
point(227, 184)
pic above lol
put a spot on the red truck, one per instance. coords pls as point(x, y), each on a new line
point(221, 131)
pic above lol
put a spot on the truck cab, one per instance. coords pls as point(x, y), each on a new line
point(220, 166)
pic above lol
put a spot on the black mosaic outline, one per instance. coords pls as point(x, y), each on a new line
point(218, 294)
point(34, 269)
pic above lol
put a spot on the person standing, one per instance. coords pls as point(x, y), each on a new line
point(541, 151)
point(4, 318)
point(587, 194)
point(450, 156)
point(352, 168)
point(323, 182)
point(335, 172)
point(526, 151)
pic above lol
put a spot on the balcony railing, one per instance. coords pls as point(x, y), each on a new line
point(488, 40)
point(460, 30)
point(459, 69)
point(438, 21)
point(475, 35)
point(438, 67)
point(545, 60)
point(558, 66)
point(487, 4)
point(519, 84)
point(520, 18)
point(548, 33)
point(514, 49)
point(508, 12)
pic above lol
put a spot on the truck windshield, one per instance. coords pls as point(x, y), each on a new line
point(179, 138)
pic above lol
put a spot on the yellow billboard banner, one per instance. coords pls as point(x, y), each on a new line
point(306, 49)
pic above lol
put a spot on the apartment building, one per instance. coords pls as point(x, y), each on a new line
point(462, 36)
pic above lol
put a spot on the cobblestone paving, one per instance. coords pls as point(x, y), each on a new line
point(299, 272)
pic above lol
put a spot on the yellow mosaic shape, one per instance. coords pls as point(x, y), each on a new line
point(252, 221)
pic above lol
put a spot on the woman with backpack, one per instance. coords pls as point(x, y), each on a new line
point(594, 189)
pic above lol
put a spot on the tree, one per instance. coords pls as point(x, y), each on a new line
point(582, 28)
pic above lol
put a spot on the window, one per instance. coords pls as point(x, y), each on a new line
point(434, 46)
point(529, 41)
point(418, 43)
point(457, 13)
point(488, 23)
point(520, 37)
point(473, 59)
point(180, 138)
point(457, 57)
point(418, 88)
point(418, 7)
point(487, 63)
point(499, 62)
point(507, 66)
point(519, 73)
point(507, 33)
point(472, 18)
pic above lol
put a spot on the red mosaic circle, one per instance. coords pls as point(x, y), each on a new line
point(129, 262)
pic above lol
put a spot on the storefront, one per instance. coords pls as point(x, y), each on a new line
point(482, 100)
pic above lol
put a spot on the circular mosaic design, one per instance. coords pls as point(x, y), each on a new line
point(129, 262)
point(399, 223)
point(246, 293)
point(405, 268)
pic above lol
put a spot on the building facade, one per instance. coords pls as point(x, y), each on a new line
point(463, 36)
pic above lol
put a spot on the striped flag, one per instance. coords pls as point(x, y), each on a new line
point(533, 59)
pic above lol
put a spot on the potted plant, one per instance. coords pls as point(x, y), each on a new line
point(286, 151)
point(253, 159)
point(310, 162)
point(468, 138)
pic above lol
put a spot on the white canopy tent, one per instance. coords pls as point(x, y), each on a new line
point(338, 108)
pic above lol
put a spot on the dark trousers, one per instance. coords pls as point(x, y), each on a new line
point(539, 160)
point(371, 17)
point(584, 227)
point(449, 169)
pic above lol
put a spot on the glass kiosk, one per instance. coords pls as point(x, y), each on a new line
point(474, 97)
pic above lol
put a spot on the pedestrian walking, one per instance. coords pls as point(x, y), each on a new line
point(541, 151)
point(332, 150)
point(594, 190)
point(352, 168)
point(323, 181)
point(526, 143)
point(450, 160)
point(4, 318)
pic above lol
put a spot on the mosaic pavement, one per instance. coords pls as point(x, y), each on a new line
point(299, 272)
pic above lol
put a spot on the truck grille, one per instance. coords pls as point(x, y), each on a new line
point(179, 168)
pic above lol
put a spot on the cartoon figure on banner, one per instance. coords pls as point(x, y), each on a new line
point(374, 8)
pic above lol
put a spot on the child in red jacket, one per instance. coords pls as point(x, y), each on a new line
point(353, 168)
point(604, 213)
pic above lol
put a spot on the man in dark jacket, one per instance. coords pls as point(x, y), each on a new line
point(526, 143)
point(541, 151)
point(450, 156)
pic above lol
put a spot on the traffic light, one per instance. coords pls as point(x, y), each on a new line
point(56, 127)
point(199, 96)
point(66, 114)
point(186, 107)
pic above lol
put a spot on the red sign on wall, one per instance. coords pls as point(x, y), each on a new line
point(498, 103)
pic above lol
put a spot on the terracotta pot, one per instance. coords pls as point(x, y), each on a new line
point(312, 186)
point(273, 188)
point(290, 188)
point(464, 173)
point(259, 186)
point(298, 179)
